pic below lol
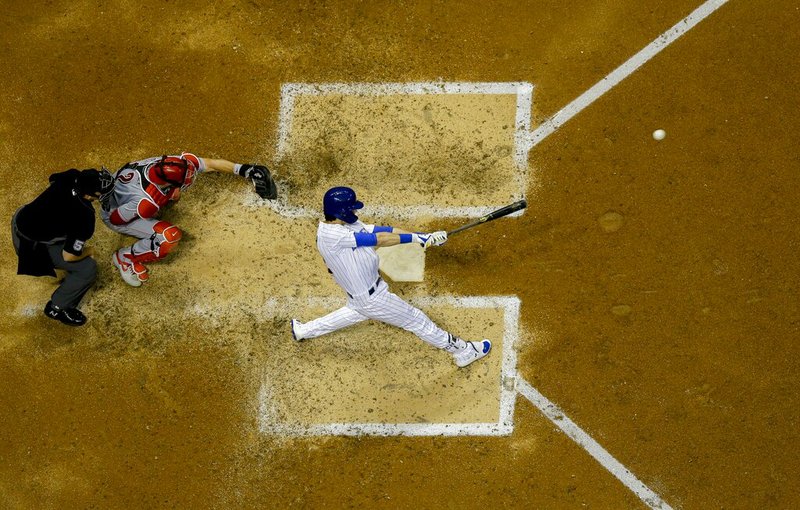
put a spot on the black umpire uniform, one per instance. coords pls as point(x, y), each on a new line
point(51, 232)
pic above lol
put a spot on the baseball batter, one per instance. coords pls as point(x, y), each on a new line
point(348, 247)
point(143, 188)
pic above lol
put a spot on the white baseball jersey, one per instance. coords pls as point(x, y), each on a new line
point(135, 196)
point(354, 269)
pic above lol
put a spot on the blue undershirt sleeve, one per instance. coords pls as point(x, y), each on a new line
point(382, 229)
point(365, 239)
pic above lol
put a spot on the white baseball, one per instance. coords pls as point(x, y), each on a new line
point(659, 134)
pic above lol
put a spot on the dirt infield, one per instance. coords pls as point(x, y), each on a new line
point(658, 282)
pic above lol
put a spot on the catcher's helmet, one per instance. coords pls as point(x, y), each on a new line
point(339, 203)
point(172, 171)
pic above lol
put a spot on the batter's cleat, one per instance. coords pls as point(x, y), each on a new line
point(295, 336)
point(134, 273)
point(69, 316)
point(472, 352)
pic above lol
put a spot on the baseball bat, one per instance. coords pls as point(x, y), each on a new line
point(503, 211)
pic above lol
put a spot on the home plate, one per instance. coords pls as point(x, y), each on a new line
point(402, 262)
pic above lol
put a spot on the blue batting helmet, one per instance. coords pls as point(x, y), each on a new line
point(340, 202)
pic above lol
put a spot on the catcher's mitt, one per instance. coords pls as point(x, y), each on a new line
point(262, 180)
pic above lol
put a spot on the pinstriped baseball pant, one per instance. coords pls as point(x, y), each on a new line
point(383, 306)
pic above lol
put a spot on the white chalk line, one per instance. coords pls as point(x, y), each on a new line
point(504, 426)
point(29, 310)
point(648, 496)
point(552, 124)
point(408, 88)
point(391, 429)
point(594, 449)
point(522, 90)
point(522, 133)
point(287, 210)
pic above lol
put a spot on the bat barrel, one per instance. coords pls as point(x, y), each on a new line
point(504, 211)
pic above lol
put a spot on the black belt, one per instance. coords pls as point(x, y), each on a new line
point(34, 241)
point(370, 291)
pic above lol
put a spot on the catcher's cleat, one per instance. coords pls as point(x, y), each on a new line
point(295, 336)
point(472, 352)
point(69, 316)
point(134, 273)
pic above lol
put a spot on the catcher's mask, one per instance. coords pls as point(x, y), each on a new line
point(339, 203)
point(96, 183)
point(172, 171)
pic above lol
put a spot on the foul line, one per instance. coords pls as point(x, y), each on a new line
point(549, 409)
point(565, 114)
point(600, 454)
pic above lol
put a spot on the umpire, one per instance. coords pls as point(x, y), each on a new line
point(51, 232)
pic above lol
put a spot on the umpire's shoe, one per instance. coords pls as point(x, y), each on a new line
point(472, 352)
point(69, 316)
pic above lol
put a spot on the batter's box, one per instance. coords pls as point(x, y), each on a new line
point(409, 149)
point(374, 379)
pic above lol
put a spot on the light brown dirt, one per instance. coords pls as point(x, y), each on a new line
point(659, 280)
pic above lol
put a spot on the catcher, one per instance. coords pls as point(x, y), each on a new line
point(143, 188)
